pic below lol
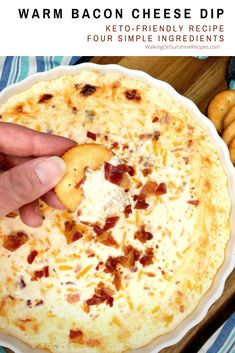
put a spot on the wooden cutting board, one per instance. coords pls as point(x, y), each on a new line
point(198, 80)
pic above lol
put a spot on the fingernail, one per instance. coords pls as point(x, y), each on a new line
point(50, 171)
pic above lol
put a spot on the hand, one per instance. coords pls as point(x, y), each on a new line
point(29, 169)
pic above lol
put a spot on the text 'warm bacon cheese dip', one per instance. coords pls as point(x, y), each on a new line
point(129, 264)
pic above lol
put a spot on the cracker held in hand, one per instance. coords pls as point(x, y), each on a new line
point(230, 117)
point(219, 107)
point(77, 159)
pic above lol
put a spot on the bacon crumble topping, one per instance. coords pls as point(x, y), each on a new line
point(110, 222)
point(142, 235)
point(102, 295)
point(14, 241)
point(45, 97)
point(127, 211)
point(41, 273)
point(140, 204)
point(161, 189)
point(31, 256)
point(116, 174)
point(76, 336)
point(147, 258)
point(87, 90)
point(133, 94)
point(91, 135)
point(71, 232)
point(193, 202)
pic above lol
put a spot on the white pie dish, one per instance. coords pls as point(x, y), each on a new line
point(218, 285)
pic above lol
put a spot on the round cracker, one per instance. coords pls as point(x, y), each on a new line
point(229, 117)
point(219, 107)
point(229, 133)
point(232, 151)
point(77, 159)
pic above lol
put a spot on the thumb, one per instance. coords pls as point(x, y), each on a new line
point(29, 181)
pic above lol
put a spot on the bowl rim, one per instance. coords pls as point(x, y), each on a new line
point(217, 287)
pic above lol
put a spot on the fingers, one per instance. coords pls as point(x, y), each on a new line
point(11, 161)
point(31, 215)
point(23, 142)
point(51, 199)
point(29, 181)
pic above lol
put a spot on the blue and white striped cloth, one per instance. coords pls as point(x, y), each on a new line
point(15, 69)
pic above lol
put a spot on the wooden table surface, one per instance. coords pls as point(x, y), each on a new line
point(198, 80)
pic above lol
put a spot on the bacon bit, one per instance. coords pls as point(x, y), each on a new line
point(181, 308)
point(69, 226)
point(93, 343)
point(14, 241)
point(145, 136)
point(19, 108)
point(100, 263)
point(111, 264)
point(131, 170)
point(87, 90)
point(125, 146)
point(45, 97)
point(147, 258)
point(108, 240)
point(142, 235)
point(146, 171)
point(32, 256)
point(91, 255)
point(141, 204)
point(114, 145)
point(186, 160)
point(133, 95)
point(155, 119)
point(71, 232)
point(79, 183)
point(76, 336)
point(110, 222)
point(40, 302)
point(156, 135)
point(132, 255)
point(41, 273)
point(163, 272)
point(91, 135)
point(115, 174)
point(29, 303)
point(74, 110)
point(161, 189)
point(127, 211)
point(22, 283)
point(117, 280)
point(150, 188)
point(76, 236)
point(73, 298)
point(190, 143)
point(97, 229)
point(101, 295)
point(12, 215)
point(193, 202)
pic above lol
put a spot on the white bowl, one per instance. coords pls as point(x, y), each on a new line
point(217, 287)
